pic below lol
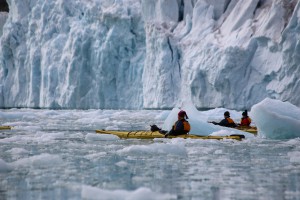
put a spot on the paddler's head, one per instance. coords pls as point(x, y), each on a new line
point(245, 113)
point(226, 114)
point(182, 114)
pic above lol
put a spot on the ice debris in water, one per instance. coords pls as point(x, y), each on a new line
point(44, 160)
point(95, 137)
point(4, 167)
point(89, 192)
point(156, 148)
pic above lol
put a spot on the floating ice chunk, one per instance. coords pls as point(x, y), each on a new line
point(30, 128)
point(156, 148)
point(294, 157)
point(229, 131)
point(12, 139)
point(88, 192)
point(98, 137)
point(40, 161)
point(95, 155)
point(114, 127)
point(276, 119)
point(4, 167)
point(77, 135)
point(177, 141)
point(293, 142)
point(42, 137)
point(222, 133)
point(122, 164)
point(163, 115)
point(18, 153)
point(219, 151)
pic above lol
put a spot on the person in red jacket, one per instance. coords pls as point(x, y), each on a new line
point(245, 120)
point(181, 126)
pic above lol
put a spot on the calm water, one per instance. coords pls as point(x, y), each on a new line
point(57, 155)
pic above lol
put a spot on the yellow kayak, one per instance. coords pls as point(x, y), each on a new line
point(5, 127)
point(249, 129)
point(156, 134)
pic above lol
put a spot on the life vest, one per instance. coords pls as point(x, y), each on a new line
point(187, 126)
point(230, 121)
point(182, 125)
point(245, 121)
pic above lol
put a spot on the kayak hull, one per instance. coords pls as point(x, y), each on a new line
point(5, 127)
point(248, 129)
point(156, 134)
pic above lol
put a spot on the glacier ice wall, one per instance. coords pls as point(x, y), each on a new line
point(149, 53)
point(228, 53)
point(72, 54)
point(3, 18)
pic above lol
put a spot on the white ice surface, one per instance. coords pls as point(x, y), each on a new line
point(276, 119)
point(88, 192)
point(294, 157)
point(39, 161)
point(94, 137)
point(156, 148)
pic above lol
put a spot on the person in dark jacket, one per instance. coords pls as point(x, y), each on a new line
point(227, 121)
point(181, 126)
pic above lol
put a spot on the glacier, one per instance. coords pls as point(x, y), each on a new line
point(153, 54)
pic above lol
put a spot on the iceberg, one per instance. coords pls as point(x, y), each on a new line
point(151, 54)
point(276, 119)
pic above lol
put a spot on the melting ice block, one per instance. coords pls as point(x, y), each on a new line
point(276, 119)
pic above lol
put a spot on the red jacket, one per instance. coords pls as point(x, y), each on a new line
point(245, 121)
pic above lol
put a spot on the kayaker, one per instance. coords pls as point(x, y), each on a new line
point(181, 126)
point(245, 120)
point(227, 121)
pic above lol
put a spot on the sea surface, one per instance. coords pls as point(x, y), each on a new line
point(56, 154)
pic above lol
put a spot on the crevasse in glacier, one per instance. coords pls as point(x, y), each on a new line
point(149, 53)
